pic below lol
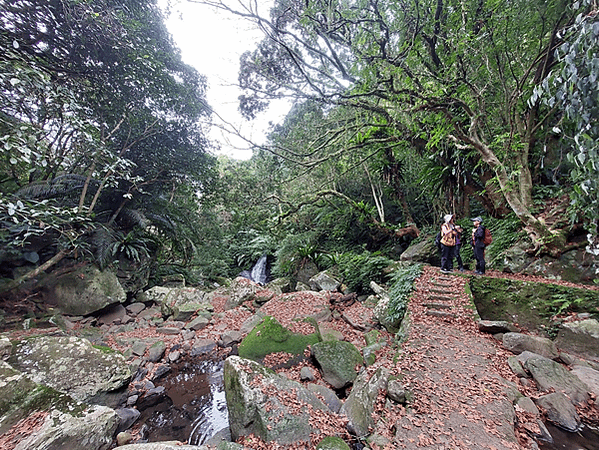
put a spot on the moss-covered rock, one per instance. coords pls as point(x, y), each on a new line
point(338, 361)
point(527, 304)
point(63, 422)
point(332, 443)
point(264, 403)
point(83, 291)
point(269, 336)
point(71, 365)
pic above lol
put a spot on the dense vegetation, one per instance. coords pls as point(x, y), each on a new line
point(404, 111)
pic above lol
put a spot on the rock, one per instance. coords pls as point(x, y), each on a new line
point(495, 326)
point(306, 374)
point(89, 429)
point(139, 348)
point(167, 445)
point(241, 290)
point(323, 282)
point(198, 323)
point(396, 391)
point(330, 334)
point(380, 311)
point(127, 417)
point(332, 443)
point(328, 395)
point(267, 415)
point(518, 343)
point(172, 300)
point(85, 291)
point(115, 314)
point(337, 361)
point(516, 367)
point(250, 323)
point(5, 348)
point(359, 405)
point(560, 411)
point(424, 252)
point(71, 365)
point(369, 353)
point(123, 438)
point(527, 405)
point(156, 351)
point(580, 337)
point(589, 377)
point(202, 346)
point(135, 308)
point(271, 337)
point(279, 286)
point(228, 338)
point(550, 375)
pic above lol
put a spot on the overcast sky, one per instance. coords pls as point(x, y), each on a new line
point(212, 41)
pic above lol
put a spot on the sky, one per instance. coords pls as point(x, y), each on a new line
point(212, 41)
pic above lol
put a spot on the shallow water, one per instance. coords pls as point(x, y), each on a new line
point(195, 408)
point(586, 439)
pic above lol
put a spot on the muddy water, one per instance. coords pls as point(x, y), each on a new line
point(194, 409)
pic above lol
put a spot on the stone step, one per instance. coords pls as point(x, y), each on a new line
point(438, 291)
point(443, 314)
point(437, 306)
point(440, 298)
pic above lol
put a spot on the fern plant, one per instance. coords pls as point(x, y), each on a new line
point(402, 285)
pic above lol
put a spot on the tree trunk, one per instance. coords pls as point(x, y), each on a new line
point(17, 282)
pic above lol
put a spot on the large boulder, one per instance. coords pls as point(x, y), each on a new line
point(71, 365)
point(83, 291)
point(518, 343)
point(91, 428)
point(324, 282)
point(61, 422)
point(269, 336)
point(551, 376)
point(423, 252)
point(338, 361)
point(179, 302)
point(589, 376)
point(560, 411)
point(578, 265)
point(580, 337)
point(359, 406)
point(268, 405)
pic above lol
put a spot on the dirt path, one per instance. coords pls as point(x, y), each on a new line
point(459, 400)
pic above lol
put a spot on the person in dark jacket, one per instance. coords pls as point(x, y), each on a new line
point(478, 238)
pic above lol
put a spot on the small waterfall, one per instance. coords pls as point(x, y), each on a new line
point(259, 273)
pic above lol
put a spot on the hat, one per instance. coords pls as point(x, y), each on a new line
point(447, 217)
point(477, 219)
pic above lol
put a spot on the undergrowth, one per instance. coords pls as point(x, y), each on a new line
point(402, 285)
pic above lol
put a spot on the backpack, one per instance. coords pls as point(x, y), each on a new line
point(488, 238)
point(438, 240)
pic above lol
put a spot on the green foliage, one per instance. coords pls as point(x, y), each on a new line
point(402, 285)
point(358, 270)
point(573, 88)
point(506, 233)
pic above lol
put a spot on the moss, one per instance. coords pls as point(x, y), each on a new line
point(530, 305)
point(269, 336)
point(105, 349)
point(332, 443)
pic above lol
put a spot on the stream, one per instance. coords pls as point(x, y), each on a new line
point(195, 408)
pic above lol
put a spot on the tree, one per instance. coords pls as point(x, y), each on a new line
point(448, 72)
point(573, 87)
point(98, 112)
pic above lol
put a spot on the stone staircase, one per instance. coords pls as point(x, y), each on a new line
point(439, 302)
